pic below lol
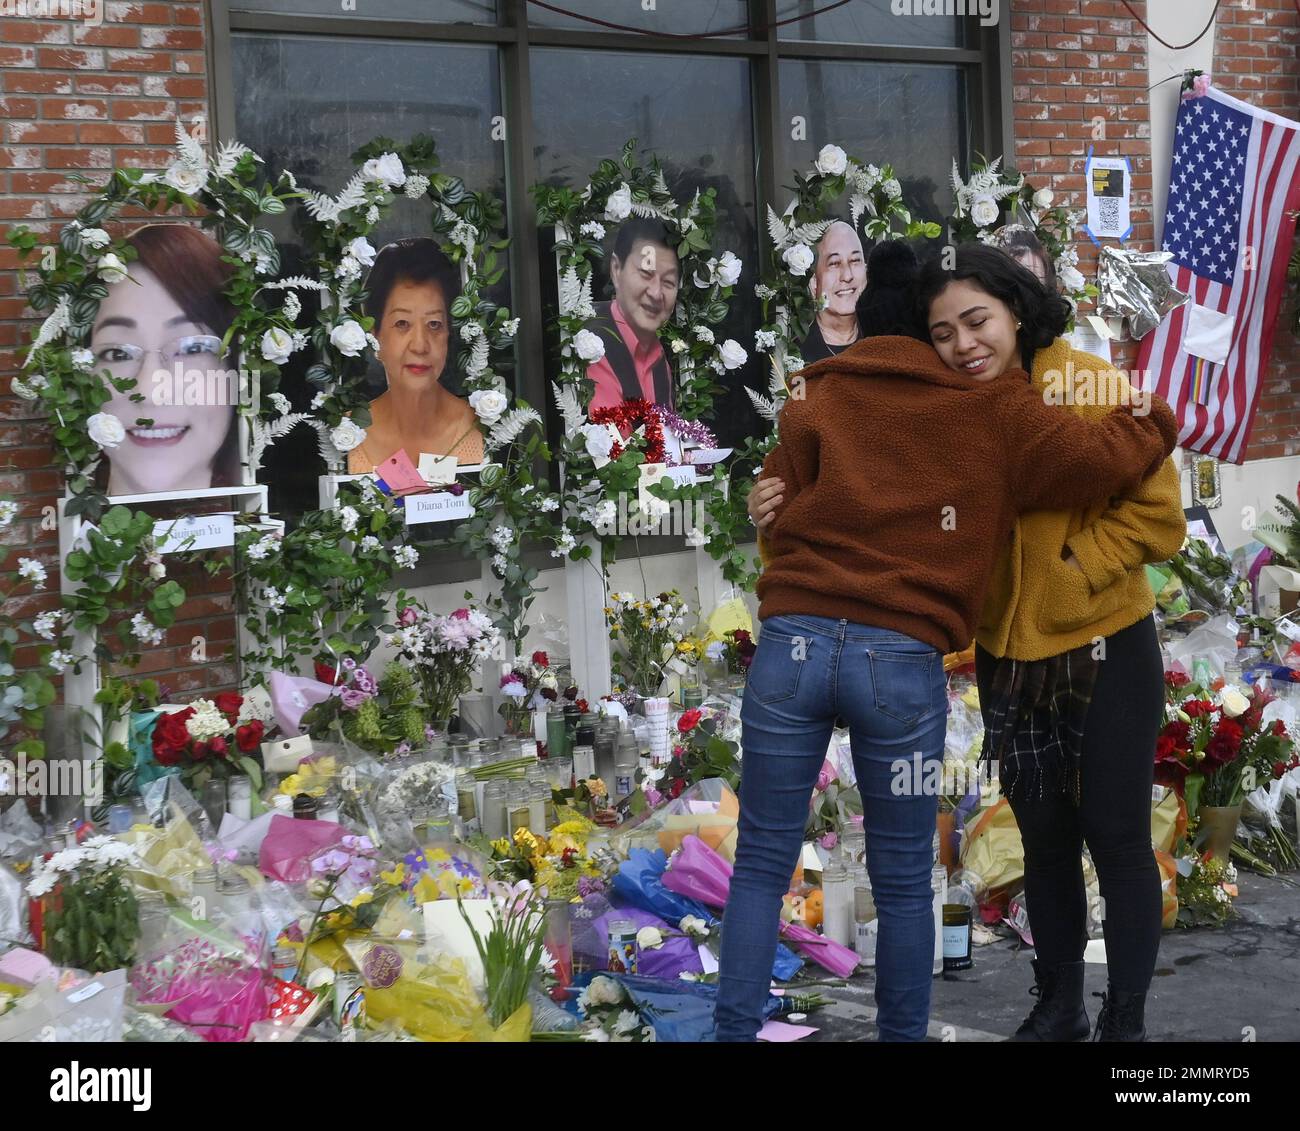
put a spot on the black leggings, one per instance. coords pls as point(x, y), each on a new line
point(1114, 818)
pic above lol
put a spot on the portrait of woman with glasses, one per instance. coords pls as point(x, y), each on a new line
point(158, 334)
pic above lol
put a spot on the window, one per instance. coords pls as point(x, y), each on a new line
point(439, 11)
point(867, 21)
point(678, 17)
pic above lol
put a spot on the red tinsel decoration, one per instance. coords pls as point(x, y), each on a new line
point(629, 416)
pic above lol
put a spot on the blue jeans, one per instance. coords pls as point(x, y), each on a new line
point(891, 690)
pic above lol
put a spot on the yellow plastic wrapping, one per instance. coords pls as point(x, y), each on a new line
point(992, 848)
point(170, 856)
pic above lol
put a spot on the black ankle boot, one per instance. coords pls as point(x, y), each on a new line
point(1121, 1017)
point(1058, 1015)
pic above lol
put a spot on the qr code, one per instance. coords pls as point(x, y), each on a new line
point(1108, 212)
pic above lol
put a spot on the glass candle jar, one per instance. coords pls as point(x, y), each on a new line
point(240, 798)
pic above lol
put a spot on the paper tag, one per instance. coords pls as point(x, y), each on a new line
point(257, 703)
point(437, 471)
point(1101, 326)
point(441, 506)
point(194, 532)
point(707, 959)
point(399, 473)
point(699, 456)
point(283, 755)
point(1288, 628)
point(78, 996)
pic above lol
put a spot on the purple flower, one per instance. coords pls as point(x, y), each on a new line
point(348, 663)
point(590, 885)
point(358, 844)
point(403, 748)
point(332, 863)
point(352, 698)
point(825, 777)
point(653, 797)
point(456, 489)
point(829, 841)
point(364, 681)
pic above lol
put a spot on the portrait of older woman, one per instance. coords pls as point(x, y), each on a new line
point(159, 334)
point(411, 289)
point(838, 280)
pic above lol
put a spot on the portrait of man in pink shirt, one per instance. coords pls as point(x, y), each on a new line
point(645, 274)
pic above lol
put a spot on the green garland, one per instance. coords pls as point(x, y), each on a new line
point(617, 190)
point(73, 276)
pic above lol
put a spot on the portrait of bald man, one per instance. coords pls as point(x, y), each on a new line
point(838, 279)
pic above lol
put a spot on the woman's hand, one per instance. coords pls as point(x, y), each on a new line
point(763, 500)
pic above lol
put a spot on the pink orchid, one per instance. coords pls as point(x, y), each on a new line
point(653, 797)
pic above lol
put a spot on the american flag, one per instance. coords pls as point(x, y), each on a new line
point(1232, 187)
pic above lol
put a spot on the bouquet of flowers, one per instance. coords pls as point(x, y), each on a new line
point(384, 716)
point(646, 635)
point(1216, 747)
point(1206, 892)
point(1210, 580)
point(556, 863)
point(443, 652)
point(92, 923)
point(736, 649)
point(527, 688)
point(698, 753)
point(1284, 538)
point(207, 739)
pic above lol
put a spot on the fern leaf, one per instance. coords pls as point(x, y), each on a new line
point(811, 233)
point(509, 427)
point(765, 407)
point(566, 400)
point(570, 291)
point(190, 148)
point(777, 229)
point(295, 282)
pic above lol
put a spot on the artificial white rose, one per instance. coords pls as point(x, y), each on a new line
point(95, 238)
point(799, 258)
point(1233, 702)
point(729, 267)
point(984, 211)
point(733, 354)
point(82, 359)
point(386, 170)
point(361, 250)
point(105, 429)
point(348, 519)
point(598, 441)
point(1043, 199)
point(619, 205)
point(1072, 279)
point(277, 346)
point(110, 268)
point(649, 938)
point(347, 435)
point(185, 178)
point(832, 161)
point(348, 338)
point(488, 404)
point(604, 991)
point(893, 189)
point(588, 346)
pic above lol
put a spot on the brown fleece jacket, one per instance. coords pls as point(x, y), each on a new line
point(903, 479)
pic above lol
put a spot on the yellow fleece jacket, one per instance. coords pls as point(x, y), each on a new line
point(1038, 606)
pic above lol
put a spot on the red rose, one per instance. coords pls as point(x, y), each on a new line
point(218, 747)
point(170, 738)
point(571, 693)
point(689, 720)
point(1229, 730)
point(249, 736)
point(541, 659)
point(582, 706)
point(1279, 728)
point(1197, 707)
point(741, 636)
point(675, 790)
point(1219, 752)
point(1180, 732)
point(325, 673)
point(199, 752)
point(548, 694)
point(1165, 748)
point(1279, 768)
point(228, 703)
point(1175, 680)
point(1252, 718)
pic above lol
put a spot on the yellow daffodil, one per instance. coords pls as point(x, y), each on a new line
point(465, 885)
point(362, 897)
point(501, 846)
point(396, 876)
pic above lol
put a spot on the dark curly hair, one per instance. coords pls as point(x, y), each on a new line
point(1042, 314)
point(417, 259)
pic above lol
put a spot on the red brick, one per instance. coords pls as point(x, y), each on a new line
point(108, 84)
point(140, 110)
point(174, 39)
point(78, 109)
point(34, 31)
point(63, 58)
point(139, 61)
point(106, 36)
point(36, 82)
point(79, 158)
point(96, 133)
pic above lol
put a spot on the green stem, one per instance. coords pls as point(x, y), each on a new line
point(311, 931)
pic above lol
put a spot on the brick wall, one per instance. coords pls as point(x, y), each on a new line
point(78, 98)
point(1074, 61)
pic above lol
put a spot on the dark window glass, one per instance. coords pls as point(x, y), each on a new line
point(657, 99)
point(295, 118)
point(906, 115)
point(874, 21)
point(435, 11)
point(666, 17)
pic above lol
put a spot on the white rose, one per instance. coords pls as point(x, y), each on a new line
point(277, 345)
point(361, 250)
point(619, 205)
point(764, 340)
point(1043, 199)
point(680, 345)
point(598, 440)
point(1233, 702)
point(733, 354)
point(111, 269)
point(105, 429)
point(729, 269)
point(489, 404)
point(649, 938)
point(799, 258)
point(984, 211)
point(588, 346)
point(892, 188)
point(348, 519)
point(347, 435)
point(82, 359)
point(832, 161)
point(348, 338)
point(386, 169)
point(186, 178)
point(1072, 279)
point(604, 991)
point(157, 571)
point(95, 238)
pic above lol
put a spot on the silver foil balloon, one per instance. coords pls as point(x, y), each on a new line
point(1136, 285)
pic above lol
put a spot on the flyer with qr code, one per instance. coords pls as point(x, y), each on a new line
point(1110, 182)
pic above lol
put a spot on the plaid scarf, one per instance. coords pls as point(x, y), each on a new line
point(1034, 722)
